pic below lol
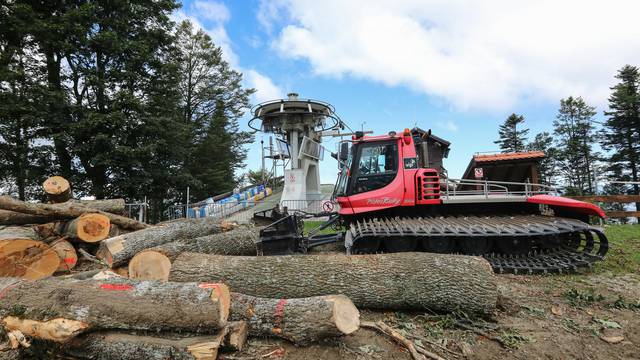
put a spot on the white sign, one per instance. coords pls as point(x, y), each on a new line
point(479, 173)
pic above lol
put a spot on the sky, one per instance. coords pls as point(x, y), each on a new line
point(458, 67)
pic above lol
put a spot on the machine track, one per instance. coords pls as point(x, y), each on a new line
point(520, 244)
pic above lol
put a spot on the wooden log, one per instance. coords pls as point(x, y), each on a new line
point(301, 321)
point(436, 282)
point(89, 228)
point(114, 206)
point(18, 232)
point(15, 218)
point(50, 231)
point(27, 259)
point(113, 345)
point(67, 254)
point(57, 189)
point(66, 210)
point(118, 250)
point(155, 263)
point(57, 310)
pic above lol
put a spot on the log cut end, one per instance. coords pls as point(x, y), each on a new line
point(57, 188)
point(345, 314)
point(90, 227)
point(27, 259)
point(150, 265)
point(219, 294)
point(67, 254)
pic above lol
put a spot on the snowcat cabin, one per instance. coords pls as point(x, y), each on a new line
point(397, 169)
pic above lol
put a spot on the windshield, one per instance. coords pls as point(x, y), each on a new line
point(343, 177)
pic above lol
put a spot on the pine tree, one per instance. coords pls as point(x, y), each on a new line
point(511, 139)
point(622, 128)
point(574, 138)
point(544, 142)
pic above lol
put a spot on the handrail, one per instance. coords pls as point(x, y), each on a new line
point(490, 187)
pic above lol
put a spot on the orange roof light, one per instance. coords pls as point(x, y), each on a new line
point(407, 132)
point(407, 136)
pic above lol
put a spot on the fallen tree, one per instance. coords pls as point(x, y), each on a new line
point(431, 281)
point(58, 310)
point(66, 210)
point(301, 321)
point(27, 259)
point(118, 250)
point(155, 263)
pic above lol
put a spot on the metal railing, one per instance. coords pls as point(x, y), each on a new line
point(488, 188)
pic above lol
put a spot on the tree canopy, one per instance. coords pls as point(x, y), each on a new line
point(510, 138)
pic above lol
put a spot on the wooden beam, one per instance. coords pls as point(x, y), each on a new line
point(608, 198)
point(622, 214)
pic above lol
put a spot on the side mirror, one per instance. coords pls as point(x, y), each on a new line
point(344, 151)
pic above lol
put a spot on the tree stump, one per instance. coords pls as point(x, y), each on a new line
point(57, 189)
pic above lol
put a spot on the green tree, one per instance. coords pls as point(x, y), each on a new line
point(512, 139)
point(213, 100)
point(575, 135)
point(24, 160)
point(622, 128)
point(544, 142)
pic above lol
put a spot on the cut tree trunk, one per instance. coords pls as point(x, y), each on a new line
point(57, 310)
point(114, 206)
point(57, 189)
point(50, 231)
point(155, 263)
point(118, 250)
point(27, 259)
point(66, 210)
point(410, 280)
point(67, 254)
point(114, 345)
point(18, 232)
point(301, 321)
point(15, 218)
point(89, 228)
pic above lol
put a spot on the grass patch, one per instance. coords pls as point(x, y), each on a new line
point(624, 250)
point(310, 225)
point(582, 298)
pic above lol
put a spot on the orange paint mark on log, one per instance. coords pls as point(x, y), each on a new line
point(69, 260)
point(116, 287)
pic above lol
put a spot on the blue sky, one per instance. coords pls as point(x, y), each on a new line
point(456, 67)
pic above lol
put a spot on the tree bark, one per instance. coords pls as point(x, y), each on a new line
point(67, 254)
point(57, 189)
point(112, 345)
point(118, 250)
point(114, 206)
point(18, 232)
point(27, 259)
point(57, 310)
point(155, 263)
point(89, 228)
point(15, 218)
point(67, 210)
point(430, 281)
point(237, 333)
point(301, 321)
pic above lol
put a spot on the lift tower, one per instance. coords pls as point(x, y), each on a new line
point(298, 125)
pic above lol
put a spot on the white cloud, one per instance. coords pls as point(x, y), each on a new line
point(265, 88)
point(212, 17)
point(212, 10)
point(488, 54)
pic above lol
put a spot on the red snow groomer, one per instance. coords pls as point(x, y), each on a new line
point(394, 195)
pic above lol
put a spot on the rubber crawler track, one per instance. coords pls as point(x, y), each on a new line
point(577, 244)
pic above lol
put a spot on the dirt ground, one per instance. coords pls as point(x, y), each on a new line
point(591, 315)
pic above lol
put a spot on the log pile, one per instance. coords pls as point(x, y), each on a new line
point(187, 288)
